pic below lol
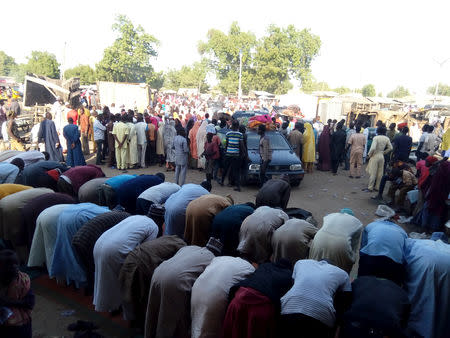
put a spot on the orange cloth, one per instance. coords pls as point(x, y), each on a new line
point(151, 132)
point(74, 115)
point(10, 188)
point(84, 123)
point(193, 139)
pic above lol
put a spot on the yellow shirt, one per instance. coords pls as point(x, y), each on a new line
point(121, 130)
point(10, 188)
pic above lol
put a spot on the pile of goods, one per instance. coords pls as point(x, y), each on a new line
point(255, 121)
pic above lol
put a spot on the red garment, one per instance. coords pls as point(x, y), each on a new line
point(74, 115)
point(212, 150)
point(424, 172)
point(81, 174)
point(250, 314)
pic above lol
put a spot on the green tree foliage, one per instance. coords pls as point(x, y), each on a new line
point(128, 59)
point(368, 90)
point(311, 85)
point(84, 72)
point(18, 72)
point(342, 90)
point(281, 54)
point(188, 77)
point(156, 80)
point(398, 92)
point(222, 54)
point(43, 63)
point(7, 64)
point(268, 63)
point(443, 90)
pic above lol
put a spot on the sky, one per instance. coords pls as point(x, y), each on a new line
point(387, 43)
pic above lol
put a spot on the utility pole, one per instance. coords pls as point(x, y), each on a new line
point(63, 66)
point(441, 65)
point(240, 75)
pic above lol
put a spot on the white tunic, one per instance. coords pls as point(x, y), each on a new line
point(159, 194)
point(110, 252)
point(209, 298)
point(44, 237)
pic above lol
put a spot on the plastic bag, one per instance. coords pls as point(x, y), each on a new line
point(384, 211)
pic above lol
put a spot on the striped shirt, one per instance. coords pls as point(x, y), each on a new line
point(233, 138)
point(315, 285)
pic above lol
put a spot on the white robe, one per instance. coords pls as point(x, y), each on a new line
point(209, 299)
point(110, 251)
point(132, 145)
point(44, 237)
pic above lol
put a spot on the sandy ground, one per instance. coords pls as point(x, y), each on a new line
point(320, 193)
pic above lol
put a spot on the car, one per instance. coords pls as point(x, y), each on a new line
point(284, 160)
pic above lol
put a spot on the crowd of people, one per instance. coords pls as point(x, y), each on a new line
point(178, 261)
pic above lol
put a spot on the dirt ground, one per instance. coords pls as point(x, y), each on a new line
point(320, 193)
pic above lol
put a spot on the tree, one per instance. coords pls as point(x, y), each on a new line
point(18, 72)
point(443, 90)
point(221, 51)
point(128, 59)
point(43, 63)
point(398, 92)
point(84, 72)
point(368, 90)
point(281, 54)
point(311, 85)
point(156, 80)
point(342, 90)
point(7, 64)
point(188, 77)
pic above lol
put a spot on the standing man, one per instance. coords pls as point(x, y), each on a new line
point(350, 131)
point(14, 105)
point(111, 140)
point(264, 152)
point(234, 146)
point(84, 127)
point(99, 138)
point(296, 139)
point(402, 146)
point(380, 147)
point(337, 147)
point(132, 151)
point(120, 132)
point(13, 132)
point(357, 143)
point(74, 154)
point(152, 135)
point(48, 134)
point(141, 128)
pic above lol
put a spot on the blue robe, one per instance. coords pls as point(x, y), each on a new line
point(176, 204)
point(226, 226)
point(74, 156)
point(47, 132)
point(428, 286)
point(129, 191)
point(65, 263)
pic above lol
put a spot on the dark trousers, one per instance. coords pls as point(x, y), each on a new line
point(383, 181)
point(233, 163)
point(334, 166)
point(347, 158)
point(262, 172)
point(301, 326)
point(381, 267)
point(143, 206)
point(65, 187)
point(99, 151)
